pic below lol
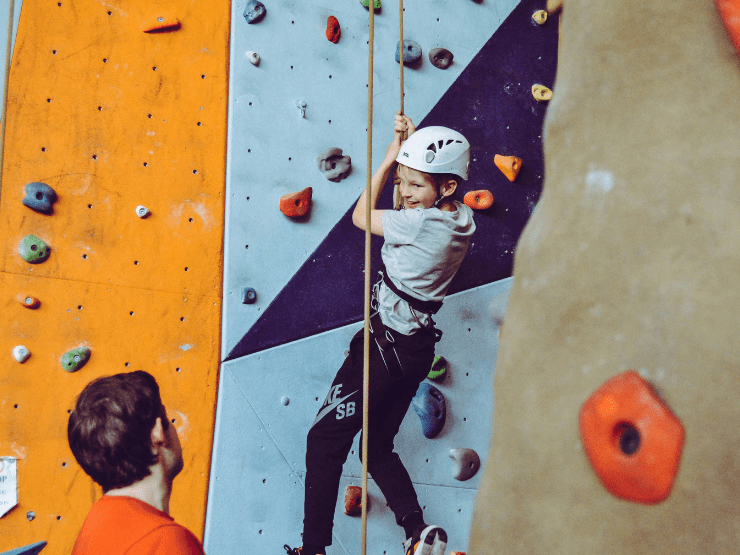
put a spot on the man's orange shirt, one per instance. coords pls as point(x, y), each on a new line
point(124, 525)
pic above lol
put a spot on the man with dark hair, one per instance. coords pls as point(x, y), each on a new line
point(121, 437)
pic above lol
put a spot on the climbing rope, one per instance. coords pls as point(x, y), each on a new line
point(368, 239)
point(8, 54)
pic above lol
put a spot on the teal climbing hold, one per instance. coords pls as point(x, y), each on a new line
point(466, 463)
point(33, 250)
point(366, 3)
point(30, 549)
point(439, 368)
point(411, 52)
point(75, 359)
point(254, 11)
point(40, 197)
point(430, 406)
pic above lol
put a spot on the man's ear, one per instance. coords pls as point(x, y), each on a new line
point(448, 187)
point(158, 436)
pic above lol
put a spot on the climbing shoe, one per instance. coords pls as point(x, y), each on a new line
point(431, 540)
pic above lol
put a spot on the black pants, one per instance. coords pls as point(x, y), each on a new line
point(340, 418)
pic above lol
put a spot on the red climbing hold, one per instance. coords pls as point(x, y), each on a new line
point(632, 439)
point(479, 200)
point(28, 301)
point(729, 11)
point(296, 205)
point(161, 24)
point(509, 165)
point(332, 29)
point(353, 501)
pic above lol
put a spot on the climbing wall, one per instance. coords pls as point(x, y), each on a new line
point(112, 118)
point(283, 343)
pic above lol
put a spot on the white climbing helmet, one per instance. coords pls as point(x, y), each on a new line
point(436, 149)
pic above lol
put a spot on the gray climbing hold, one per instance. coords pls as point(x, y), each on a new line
point(21, 353)
point(253, 57)
point(30, 515)
point(30, 549)
point(40, 197)
point(142, 211)
point(301, 107)
point(466, 463)
point(249, 295)
point(254, 11)
point(440, 57)
point(75, 359)
point(333, 165)
point(411, 52)
point(430, 406)
point(33, 250)
point(377, 4)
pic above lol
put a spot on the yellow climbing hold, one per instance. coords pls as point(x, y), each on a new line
point(539, 17)
point(541, 93)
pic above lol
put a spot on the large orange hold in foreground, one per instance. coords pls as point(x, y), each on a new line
point(479, 200)
point(729, 11)
point(632, 439)
point(296, 205)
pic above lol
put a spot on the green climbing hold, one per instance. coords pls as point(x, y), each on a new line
point(75, 359)
point(366, 3)
point(33, 250)
point(439, 368)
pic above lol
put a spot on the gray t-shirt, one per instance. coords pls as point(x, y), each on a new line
point(422, 252)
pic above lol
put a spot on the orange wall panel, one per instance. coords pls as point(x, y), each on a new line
point(89, 115)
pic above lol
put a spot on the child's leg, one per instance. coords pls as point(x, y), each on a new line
point(387, 411)
point(328, 443)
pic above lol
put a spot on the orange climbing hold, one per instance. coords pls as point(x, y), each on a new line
point(296, 205)
point(161, 24)
point(332, 29)
point(353, 501)
point(479, 200)
point(509, 165)
point(729, 12)
point(28, 301)
point(632, 439)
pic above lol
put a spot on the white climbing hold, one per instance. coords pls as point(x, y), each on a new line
point(285, 401)
point(142, 211)
point(253, 57)
point(466, 463)
point(301, 107)
point(21, 353)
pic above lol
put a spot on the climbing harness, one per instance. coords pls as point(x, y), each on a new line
point(384, 337)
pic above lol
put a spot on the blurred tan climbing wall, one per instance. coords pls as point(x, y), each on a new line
point(112, 118)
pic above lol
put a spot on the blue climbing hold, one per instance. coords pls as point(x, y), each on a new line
point(30, 549)
point(40, 197)
point(254, 11)
point(429, 404)
point(411, 52)
point(249, 295)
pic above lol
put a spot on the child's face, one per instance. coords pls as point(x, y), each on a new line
point(416, 189)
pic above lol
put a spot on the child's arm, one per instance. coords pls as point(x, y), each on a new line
point(401, 127)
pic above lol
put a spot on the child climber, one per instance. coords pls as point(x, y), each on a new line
point(425, 243)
